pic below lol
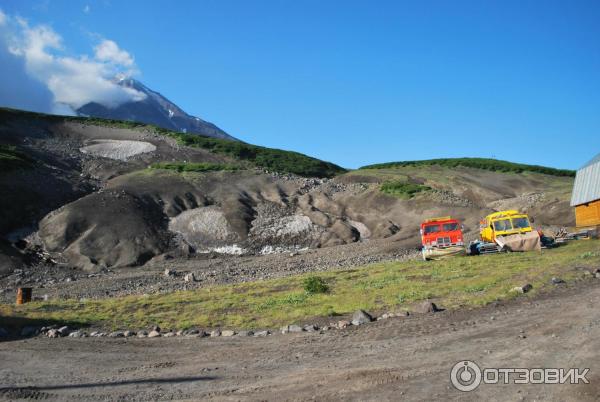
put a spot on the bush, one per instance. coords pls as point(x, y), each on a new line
point(315, 284)
point(494, 165)
point(193, 167)
point(403, 189)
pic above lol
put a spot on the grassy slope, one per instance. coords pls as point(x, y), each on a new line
point(11, 159)
point(193, 167)
point(559, 187)
point(273, 159)
point(269, 158)
point(494, 165)
point(402, 189)
point(466, 281)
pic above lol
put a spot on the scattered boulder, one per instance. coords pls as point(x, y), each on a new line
point(428, 307)
point(169, 273)
point(128, 333)
point(77, 334)
point(169, 334)
point(310, 328)
point(194, 332)
point(343, 324)
point(522, 289)
point(361, 317)
point(53, 333)
point(293, 328)
point(228, 332)
point(245, 333)
point(154, 334)
point(64, 331)
point(190, 277)
point(215, 333)
point(116, 334)
point(556, 281)
point(30, 331)
point(142, 334)
point(262, 333)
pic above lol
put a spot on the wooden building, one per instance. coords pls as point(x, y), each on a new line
point(586, 194)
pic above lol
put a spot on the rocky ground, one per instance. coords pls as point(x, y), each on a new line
point(88, 200)
point(395, 358)
point(59, 281)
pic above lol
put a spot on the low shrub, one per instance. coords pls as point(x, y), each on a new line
point(315, 284)
point(402, 189)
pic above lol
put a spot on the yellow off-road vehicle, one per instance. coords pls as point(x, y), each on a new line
point(508, 231)
point(503, 223)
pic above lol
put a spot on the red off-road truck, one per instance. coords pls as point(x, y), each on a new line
point(442, 237)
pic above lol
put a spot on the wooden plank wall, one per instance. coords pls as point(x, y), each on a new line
point(588, 214)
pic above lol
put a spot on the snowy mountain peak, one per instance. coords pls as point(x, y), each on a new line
point(153, 109)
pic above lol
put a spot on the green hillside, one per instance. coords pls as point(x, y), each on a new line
point(494, 165)
point(268, 158)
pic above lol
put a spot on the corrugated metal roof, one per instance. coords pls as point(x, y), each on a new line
point(595, 160)
point(587, 183)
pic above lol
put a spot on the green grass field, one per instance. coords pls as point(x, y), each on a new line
point(394, 286)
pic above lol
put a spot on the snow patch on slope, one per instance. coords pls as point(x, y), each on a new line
point(117, 149)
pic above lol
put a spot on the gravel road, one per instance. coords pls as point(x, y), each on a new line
point(399, 358)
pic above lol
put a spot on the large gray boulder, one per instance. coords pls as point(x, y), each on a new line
point(361, 317)
point(428, 307)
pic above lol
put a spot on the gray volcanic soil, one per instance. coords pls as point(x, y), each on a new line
point(91, 203)
point(399, 358)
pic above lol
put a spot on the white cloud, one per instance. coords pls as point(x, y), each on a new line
point(87, 9)
point(73, 81)
point(109, 51)
point(2, 18)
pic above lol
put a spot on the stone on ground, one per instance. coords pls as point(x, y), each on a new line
point(522, 289)
point(361, 317)
point(428, 307)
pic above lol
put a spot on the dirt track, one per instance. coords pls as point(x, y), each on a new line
point(400, 358)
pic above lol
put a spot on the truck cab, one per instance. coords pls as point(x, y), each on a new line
point(441, 233)
point(503, 223)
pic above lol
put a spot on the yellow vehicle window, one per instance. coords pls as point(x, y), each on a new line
point(502, 225)
point(520, 223)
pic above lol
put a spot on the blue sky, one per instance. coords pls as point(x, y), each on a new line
point(359, 82)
